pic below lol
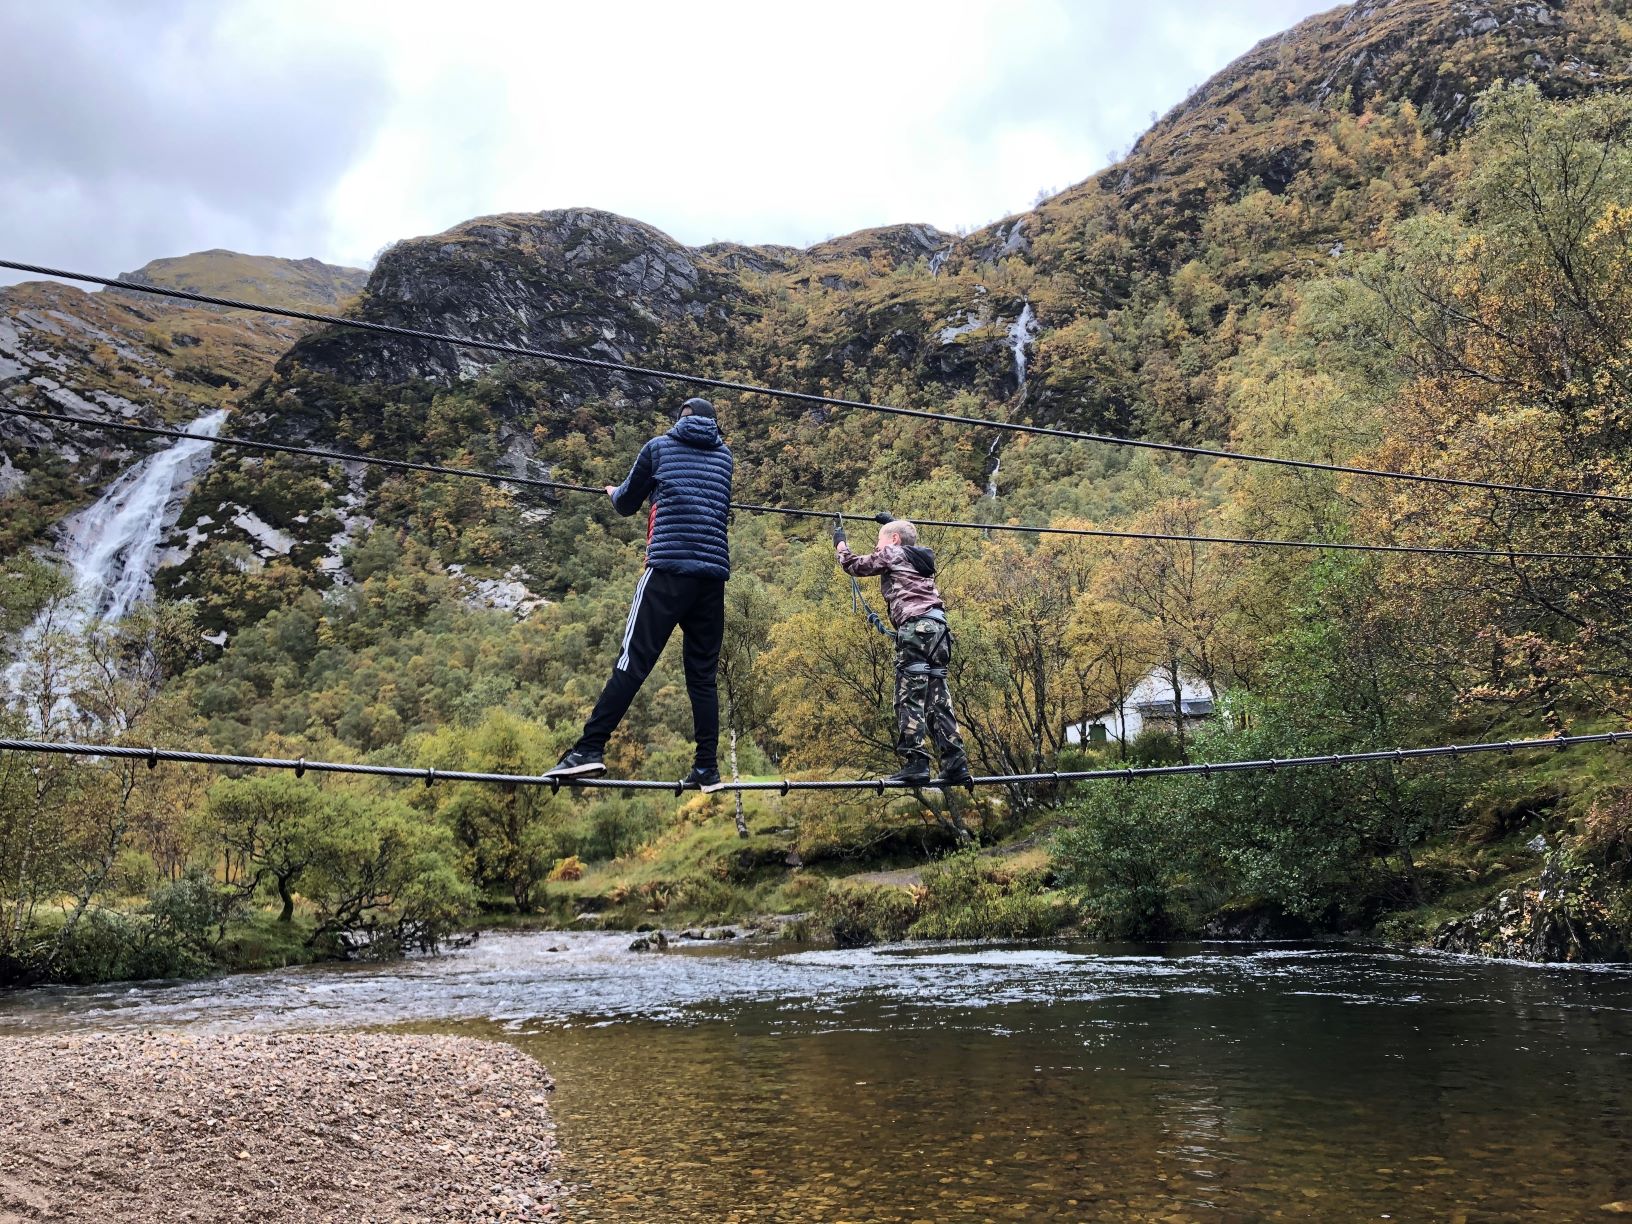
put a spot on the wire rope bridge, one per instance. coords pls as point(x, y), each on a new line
point(429, 775)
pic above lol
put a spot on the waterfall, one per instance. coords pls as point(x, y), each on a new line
point(997, 466)
point(1021, 332)
point(113, 546)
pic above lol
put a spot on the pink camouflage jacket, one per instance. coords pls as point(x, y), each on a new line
point(907, 576)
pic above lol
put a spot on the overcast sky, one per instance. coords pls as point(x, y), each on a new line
point(133, 129)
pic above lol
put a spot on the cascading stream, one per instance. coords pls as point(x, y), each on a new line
point(115, 542)
point(113, 546)
point(1021, 333)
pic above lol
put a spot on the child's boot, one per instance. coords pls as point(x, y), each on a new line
point(955, 771)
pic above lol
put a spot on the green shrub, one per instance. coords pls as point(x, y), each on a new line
point(969, 896)
point(107, 945)
point(856, 915)
point(1131, 851)
point(193, 912)
point(1155, 746)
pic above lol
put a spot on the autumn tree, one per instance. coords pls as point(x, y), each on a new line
point(750, 614)
point(1179, 589)
point(1027, 677)
point(1508, 325)
point(268, 829)
point(505, 829)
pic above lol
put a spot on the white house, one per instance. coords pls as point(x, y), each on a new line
point(1148, 706)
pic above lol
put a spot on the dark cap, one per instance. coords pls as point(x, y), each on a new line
point(699, 407)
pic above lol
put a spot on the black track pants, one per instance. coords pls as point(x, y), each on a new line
point(662, 601)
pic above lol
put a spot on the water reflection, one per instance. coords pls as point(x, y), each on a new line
point(983, 1082)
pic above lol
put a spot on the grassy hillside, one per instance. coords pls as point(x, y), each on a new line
point(304, 284)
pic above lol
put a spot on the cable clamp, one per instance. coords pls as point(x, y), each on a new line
point(881, 786)
point(1056, 777)
point(1507, 747)
point(430, 776)
point(1127, 774)
point(300, 768)
point(1337, 759)
point(1273, 764)
point(1563, 742)
point(152, 756)
point(555, 784)
point(1206, 769)
point(786, 787)
point(680, 786)
point(1399, 755)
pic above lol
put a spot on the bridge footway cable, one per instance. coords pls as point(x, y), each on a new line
point(429, 776)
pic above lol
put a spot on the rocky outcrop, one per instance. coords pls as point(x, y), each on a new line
point(575, 281)
point(1001, 241)
point(891, 245)
point(1561, 916)
point(763, 260)
point(109, 357)
point(1260, 118)
point(1377, 48)
point(507, 594)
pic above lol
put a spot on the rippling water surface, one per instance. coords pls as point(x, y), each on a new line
point(953, 1082)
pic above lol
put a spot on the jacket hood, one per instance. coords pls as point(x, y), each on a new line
point(922, 559)
point(699, 431)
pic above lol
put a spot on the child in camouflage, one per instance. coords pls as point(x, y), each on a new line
point(923, 648)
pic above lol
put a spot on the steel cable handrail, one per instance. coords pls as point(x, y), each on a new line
point(537, 482)
point(806, 397)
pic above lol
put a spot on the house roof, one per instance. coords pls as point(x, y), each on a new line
point(1200, 705)
point(1154, 694)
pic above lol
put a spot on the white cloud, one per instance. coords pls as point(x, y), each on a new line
point(298, 127)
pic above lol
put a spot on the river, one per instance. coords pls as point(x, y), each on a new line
point(969, 1082)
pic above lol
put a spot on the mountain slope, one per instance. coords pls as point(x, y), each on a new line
point(304, 284)
point(1142, 284)
point(124, 355)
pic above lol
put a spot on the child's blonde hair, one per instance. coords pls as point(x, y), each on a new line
point(907, 532)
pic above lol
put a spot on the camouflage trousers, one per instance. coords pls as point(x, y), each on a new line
point(923, 702)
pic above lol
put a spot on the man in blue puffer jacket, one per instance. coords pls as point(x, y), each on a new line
point(687, 474)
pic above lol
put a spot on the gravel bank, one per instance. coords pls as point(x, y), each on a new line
point(176, 1126)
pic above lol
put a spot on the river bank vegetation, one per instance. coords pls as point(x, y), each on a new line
point(1398, 300)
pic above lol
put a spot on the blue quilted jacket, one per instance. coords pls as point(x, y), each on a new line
point(687, 474)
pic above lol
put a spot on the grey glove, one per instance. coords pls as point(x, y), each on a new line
point(884, 517)
point(838, 530)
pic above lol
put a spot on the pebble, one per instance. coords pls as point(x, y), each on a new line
point(359, 1127)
